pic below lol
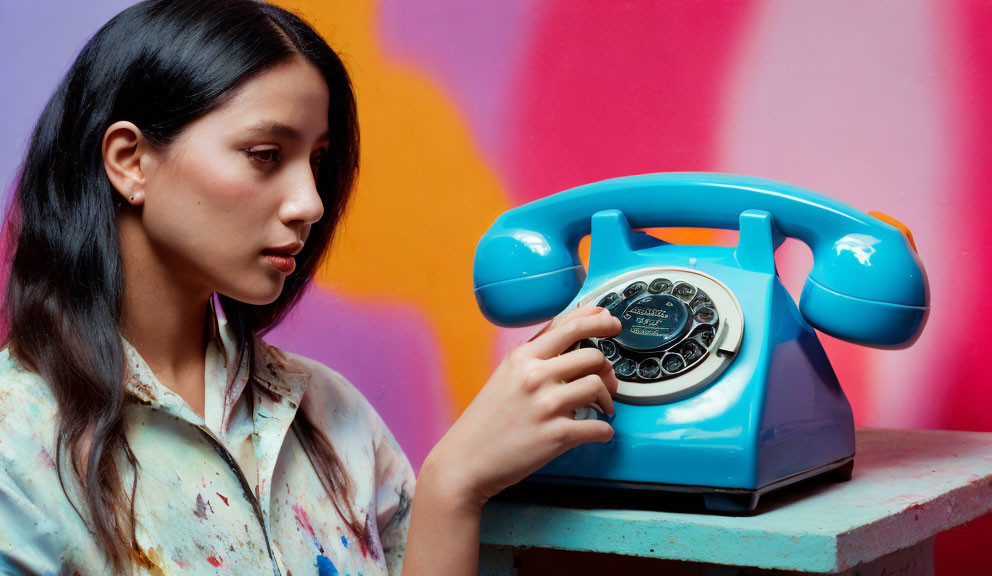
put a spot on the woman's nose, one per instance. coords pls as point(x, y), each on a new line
point(302, 203)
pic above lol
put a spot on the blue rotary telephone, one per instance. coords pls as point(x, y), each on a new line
point(724, 389)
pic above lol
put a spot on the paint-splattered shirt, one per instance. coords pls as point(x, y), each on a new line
point(235, 494)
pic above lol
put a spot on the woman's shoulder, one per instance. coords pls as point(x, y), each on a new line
point(26, 401)
point(27, 423)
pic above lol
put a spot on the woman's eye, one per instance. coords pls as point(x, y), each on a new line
point(264, 156)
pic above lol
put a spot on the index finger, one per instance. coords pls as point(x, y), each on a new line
point(576, 312)
point(600, 324)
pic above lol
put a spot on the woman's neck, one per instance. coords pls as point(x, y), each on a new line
point(164, 316)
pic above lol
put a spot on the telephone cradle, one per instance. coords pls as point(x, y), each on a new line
point(725, 390)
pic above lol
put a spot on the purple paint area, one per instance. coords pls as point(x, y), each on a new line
point(472, 49)
point(386, 350)
point(38, 42)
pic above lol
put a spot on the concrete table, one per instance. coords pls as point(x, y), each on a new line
point(908, 485)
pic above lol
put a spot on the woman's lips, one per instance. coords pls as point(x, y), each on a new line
point(281, 262)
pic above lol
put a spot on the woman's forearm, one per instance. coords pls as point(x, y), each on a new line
point(444, 527)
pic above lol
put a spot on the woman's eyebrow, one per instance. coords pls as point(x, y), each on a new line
point(279, 130)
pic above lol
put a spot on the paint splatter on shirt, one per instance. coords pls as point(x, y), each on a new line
point(234, 492)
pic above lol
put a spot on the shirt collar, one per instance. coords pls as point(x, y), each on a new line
point(275, 372)
point(141, 383)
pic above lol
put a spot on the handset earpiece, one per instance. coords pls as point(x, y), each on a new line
point(523, 277)
point(868, 288)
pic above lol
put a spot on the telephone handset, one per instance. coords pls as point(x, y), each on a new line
point(705, 325)
point(867, 284)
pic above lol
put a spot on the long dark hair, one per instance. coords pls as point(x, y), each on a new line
point(159, 64)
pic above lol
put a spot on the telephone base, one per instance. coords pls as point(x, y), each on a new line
point(592, 493)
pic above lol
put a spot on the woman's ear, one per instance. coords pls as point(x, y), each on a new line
point(123, 147)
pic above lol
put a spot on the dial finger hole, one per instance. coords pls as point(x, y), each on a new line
point(660, 286)
point(700, 299)
point(672, 363)
point(625, 367)
point(705, 335)
point(649, 369)
point(691, 351)
point(705, 315)
point(684, 291)
point(634, 289)
point(608, 348)
point(608, 300)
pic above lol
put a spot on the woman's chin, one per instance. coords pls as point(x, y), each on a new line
point(262, 293)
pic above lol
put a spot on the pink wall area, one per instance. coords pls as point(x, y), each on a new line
point(468, 109)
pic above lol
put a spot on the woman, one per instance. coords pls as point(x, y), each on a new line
point(202, 152)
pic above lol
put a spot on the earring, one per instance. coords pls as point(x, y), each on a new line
point(131, 199)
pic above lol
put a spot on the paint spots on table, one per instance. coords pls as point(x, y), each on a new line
point(222, 497)
point(344, 541)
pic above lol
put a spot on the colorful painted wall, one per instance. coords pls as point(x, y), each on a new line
point(470, 108)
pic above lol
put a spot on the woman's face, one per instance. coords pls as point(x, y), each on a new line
point(232, 199)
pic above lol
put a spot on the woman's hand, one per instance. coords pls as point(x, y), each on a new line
point(525, 414)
